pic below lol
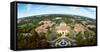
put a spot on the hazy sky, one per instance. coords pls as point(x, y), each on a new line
point(36, 9)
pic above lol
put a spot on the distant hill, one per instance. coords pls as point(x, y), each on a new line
point(52, 16)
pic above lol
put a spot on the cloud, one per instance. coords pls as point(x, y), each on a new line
point(28, 7)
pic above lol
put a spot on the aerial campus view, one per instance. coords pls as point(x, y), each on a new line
point(48, 26)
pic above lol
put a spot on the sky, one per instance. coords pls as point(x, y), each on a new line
point(25, 10)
